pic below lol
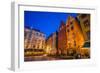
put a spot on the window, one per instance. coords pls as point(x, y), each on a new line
point(72, 27)
point(42, 47)
point(88, 35)
point(40, 34)
point(43, 35)
point(71, 23)
point(30, 35)
point(74, 43)
point(73, 35)
point(68, 30)
point(37, 34)
point(39, 41)
point(86, 23)
point(37, 46)
point(43, 42)
point(35, 40)
point(33, 46)
point(25, 34)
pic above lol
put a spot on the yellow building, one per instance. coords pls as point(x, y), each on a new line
point(75, 38)
point(84, 20)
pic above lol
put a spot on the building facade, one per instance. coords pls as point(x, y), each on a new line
point(33, 39)
point(75, 37)
point(51, 44)
point(70, 38)
point(62, 39)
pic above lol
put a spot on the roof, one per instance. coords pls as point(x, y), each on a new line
point(52, 35)
point(62, 24)
point(34, 29)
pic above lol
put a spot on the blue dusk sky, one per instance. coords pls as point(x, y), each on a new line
point(46, 22)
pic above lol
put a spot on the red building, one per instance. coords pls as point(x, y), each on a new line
point(62, 39)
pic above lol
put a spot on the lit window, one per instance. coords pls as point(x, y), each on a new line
point(73, 35)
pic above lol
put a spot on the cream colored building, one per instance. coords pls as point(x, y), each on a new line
point(34, 39)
